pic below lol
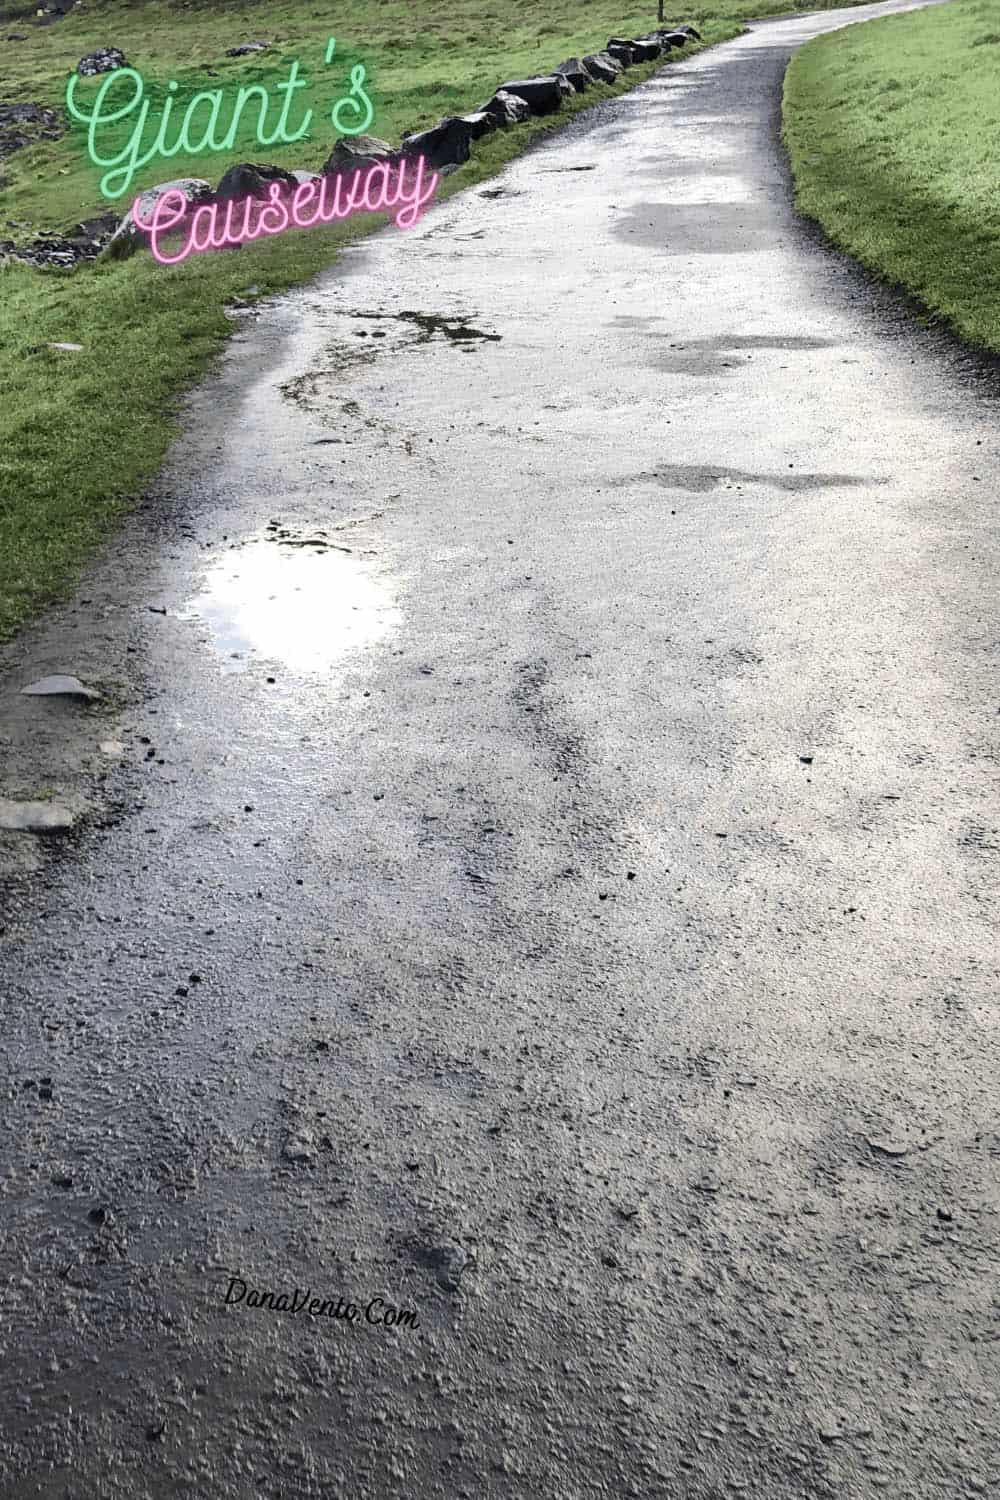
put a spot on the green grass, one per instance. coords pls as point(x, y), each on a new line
point(82, 433)
point(893, 129)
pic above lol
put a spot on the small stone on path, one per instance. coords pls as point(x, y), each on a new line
point(34, 817)
point(887, 1148)
point(59, 685)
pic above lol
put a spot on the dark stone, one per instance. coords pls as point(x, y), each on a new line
point(506, 109)
point(48, 14)
point(543, 95)
point(247, 47)
point(624, 51)
point(445, 144)
point(657, 43)
point(353, 151)
point(97, 228)
point(480, 123)
point(577, 74)
point(646, 51)
point(602, 67)
point(250, 180)
point(104, 60)
point(677, 36)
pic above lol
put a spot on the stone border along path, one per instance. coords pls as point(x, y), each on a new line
point(445, 146)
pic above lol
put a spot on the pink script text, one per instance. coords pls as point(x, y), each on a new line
point(216, 225)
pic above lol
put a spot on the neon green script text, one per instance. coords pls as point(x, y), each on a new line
point(199, 129)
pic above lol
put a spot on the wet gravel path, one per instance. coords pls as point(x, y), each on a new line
point(552, 880)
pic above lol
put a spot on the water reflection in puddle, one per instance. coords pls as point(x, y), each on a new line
point(308, 607)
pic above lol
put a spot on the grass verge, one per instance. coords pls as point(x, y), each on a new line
point(892, 128)
point(82, 432)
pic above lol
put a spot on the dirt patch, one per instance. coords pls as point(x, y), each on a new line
point(317, 540)
point(456, 327)
point(68, 251)
point(25, 124)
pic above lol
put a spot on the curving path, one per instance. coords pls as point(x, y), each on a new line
point(570, 913)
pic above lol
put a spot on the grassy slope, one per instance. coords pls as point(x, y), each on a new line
point(81, 433)
point(893, 128)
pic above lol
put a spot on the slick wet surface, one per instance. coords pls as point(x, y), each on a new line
point(573, 917)
point(282, 598)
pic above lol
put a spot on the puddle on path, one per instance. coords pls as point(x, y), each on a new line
point(302, 602)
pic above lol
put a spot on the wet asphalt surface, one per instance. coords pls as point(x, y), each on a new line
point(552, 877)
